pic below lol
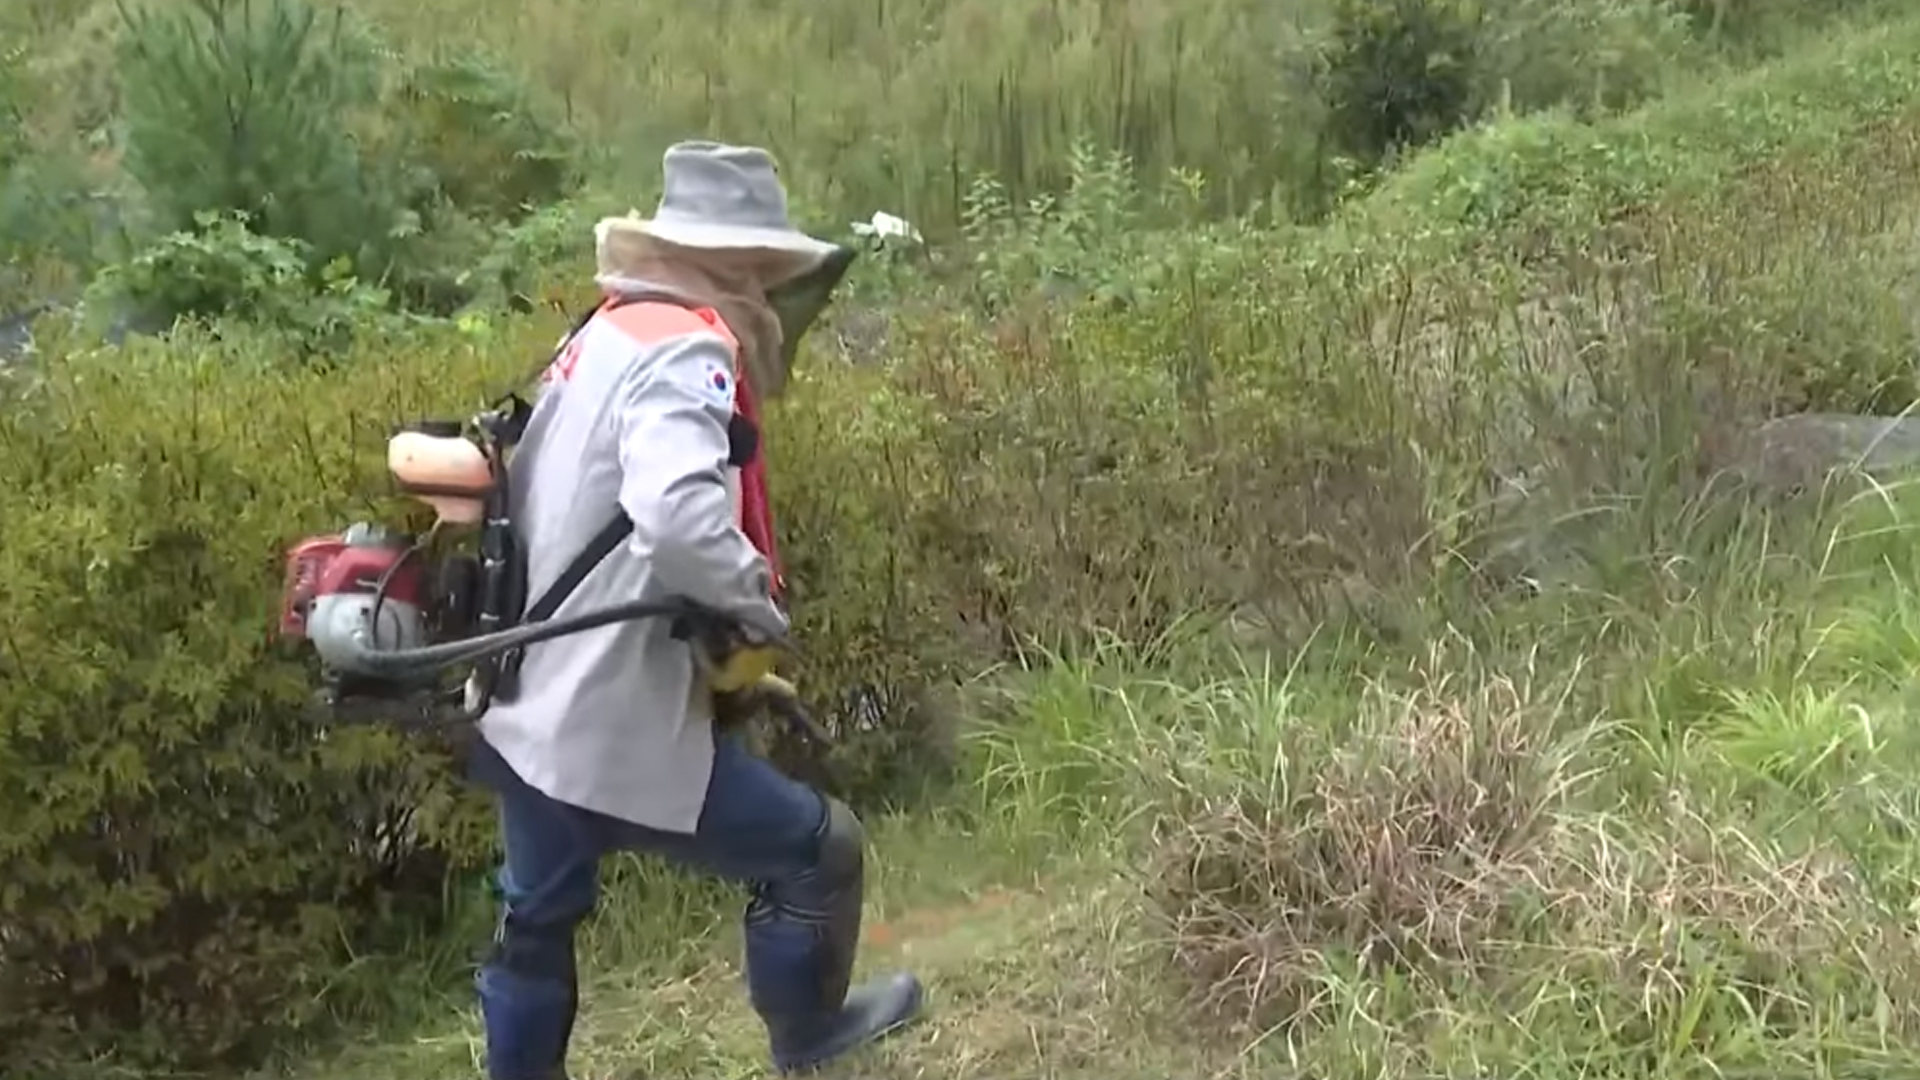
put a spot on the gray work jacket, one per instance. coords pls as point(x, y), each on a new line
point(633, 414)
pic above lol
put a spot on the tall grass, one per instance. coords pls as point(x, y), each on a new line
point(896, 103)
point(900, 102)
point(1518, 849)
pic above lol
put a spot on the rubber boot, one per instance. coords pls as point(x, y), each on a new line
point(802, 933)
point(873, 1010)
point(529, 1016)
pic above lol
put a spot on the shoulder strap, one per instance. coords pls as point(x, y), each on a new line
point(617, 529)
point(598, 548)
point(650, 318)
point(609, 537)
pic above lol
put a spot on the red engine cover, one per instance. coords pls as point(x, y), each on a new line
point(328, 566)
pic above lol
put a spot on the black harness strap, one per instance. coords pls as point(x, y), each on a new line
point(598, 548)
point(743, 442)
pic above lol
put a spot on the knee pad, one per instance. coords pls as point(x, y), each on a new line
point(533, 954)
point(825, 900)
point(843, 843)
point(818, 893)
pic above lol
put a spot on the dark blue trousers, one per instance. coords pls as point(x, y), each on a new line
point(759, 827)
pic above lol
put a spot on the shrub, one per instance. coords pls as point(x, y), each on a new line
point(1595, 57)
point(1764, 25)
point(45, 216)
point(509, 274)
point(473, 153)
point(488, 146)
point(1399, 73)
point(187, 852)
point(321, 138)
point(233, 108)
point(224, 271)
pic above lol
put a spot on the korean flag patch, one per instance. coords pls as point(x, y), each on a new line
point(718, 384)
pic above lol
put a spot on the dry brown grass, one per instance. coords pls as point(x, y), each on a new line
point(1468, 838)
point(1400, 845)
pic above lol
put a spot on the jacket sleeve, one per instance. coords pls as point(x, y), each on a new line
point(670, 419)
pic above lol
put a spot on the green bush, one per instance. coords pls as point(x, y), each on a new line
point(1764, 25)
point(324, 140)
point(473, 153)
point(1593, 57)
point(45, 211)
point(1554, 177)
point(487, 145)
point(223, 270)
point(188, 855)
point(1400, 73)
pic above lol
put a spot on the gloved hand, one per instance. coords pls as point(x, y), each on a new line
point(778, 697)
point(739, 673)
point(730, 660)
point(742, 667)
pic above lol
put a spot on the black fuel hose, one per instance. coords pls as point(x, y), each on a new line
point(396, 662)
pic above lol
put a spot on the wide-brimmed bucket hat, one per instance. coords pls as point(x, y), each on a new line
point(724, 198)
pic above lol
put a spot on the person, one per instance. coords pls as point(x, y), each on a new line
point(609, 742)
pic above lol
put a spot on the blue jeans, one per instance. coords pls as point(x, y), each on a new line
point(759, 827)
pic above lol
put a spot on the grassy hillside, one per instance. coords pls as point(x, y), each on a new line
point(1325, 643)
point(1651, 821)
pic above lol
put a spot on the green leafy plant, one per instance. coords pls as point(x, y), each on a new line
point(190, 855)
point(223, 270)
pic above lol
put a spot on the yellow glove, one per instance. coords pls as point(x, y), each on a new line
point(782, 698)
point(743, 668)
point(777, 690)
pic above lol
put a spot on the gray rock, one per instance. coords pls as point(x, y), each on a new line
point(16, 331)
point(1536, 530)
point(1803, 450)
